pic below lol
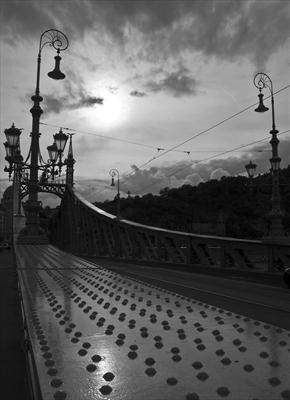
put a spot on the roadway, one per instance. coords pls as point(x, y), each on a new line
point(270, 304)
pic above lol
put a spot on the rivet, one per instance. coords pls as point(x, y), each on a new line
point(192, 396)
point(86, 345)
point(96, 358)
point(274, 381)
point(223, 391)
point(176, 357)
point(248, 368)
point(150, 371)
point(82, 352)
point(202, 376)
point(49, 363)
point(47, 355)
point(286, 394)
point(56, 382)
point(91, 367)
point(175, 350)
point(121, 336)
point(226, 361)
point(59, 395)
point(52, 371)
point(274, 363)
point(149, 361)
point(172, 381)
point(108, 376)
point(197, 365)
point(132, 355)
point(105, 389)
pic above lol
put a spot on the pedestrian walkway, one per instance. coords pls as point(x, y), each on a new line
point(96, 334)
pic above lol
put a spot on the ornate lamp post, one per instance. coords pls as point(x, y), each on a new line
point(32, 234)
point(113, 173)
point(276, 232)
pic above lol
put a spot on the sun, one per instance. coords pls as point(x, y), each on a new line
point(112, 113)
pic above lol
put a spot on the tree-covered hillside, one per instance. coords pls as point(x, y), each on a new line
point(232, 201)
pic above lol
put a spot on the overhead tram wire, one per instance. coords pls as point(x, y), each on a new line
point(209, 158)
point(119, 139)
point(164, 150)
point(200, 161)
point(125, 140)
point(203, 132)
point(101, 136)
point(207, 130)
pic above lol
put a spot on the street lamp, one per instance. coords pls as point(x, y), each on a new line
point(251, 169)
point(59, 42)
point(276, 231)
point(113, 173)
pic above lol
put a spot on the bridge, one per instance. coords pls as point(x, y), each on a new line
point(113, 309)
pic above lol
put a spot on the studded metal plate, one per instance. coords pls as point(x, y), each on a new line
point(98, 335)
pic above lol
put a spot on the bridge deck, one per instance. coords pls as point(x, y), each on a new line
point(96, 334)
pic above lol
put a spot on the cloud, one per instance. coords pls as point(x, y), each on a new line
point(177, 83)
point(137, 93)
point(76, 97)
point(225, 29)
point(153, 179)
point(219, 173)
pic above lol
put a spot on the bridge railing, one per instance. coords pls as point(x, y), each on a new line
point(86, 230)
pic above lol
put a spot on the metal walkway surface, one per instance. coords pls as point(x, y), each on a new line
point(98, 335)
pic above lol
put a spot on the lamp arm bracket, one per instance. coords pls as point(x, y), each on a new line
point(114, 172)
point(54, 38)
point(262, 80)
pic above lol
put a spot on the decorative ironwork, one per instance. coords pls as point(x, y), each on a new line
point(54, 38)
point(57, 189)
point(262, 80)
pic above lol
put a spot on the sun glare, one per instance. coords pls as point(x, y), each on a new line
point(112, 113)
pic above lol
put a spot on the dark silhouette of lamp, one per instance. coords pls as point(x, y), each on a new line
point(251, 169)
point(261, 107)
point(56, 73)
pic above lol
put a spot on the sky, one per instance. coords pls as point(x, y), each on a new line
point(148, 85)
